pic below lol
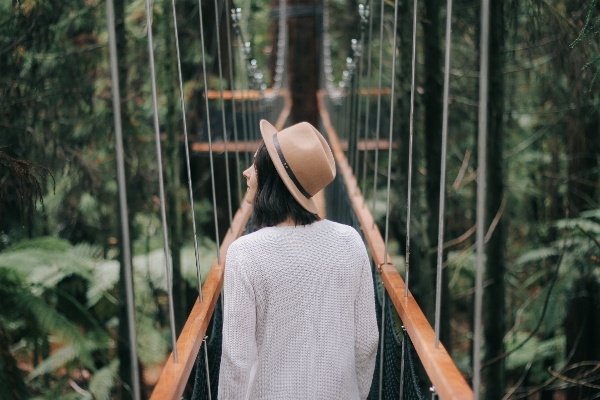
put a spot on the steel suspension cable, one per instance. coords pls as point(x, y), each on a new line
point(442, 209)
point(409, 190)
point(410, 148)
point(187, 151)
point(358, 95)
point(389, 176)
point(381, 344)
point(233, 110)
point(161, 184)
point(376, 167)
point(481, 188)
point(244, 79)
point(124, 213)
point(368, 100)
point(209, 134)
point(220, 65)
point(402, 357)
point(352, 112)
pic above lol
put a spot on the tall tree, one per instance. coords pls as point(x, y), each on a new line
point(494, 295)
point(582, 325)
point(425, 276)
point(303, 61)
point(173, 163)
point(123, 343)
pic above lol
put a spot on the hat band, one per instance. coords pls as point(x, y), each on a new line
point(288, 169)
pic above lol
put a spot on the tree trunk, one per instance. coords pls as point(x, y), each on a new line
point(582, 325)
point(123, 344)
point(11, 377)
point(303, 62)
point(423, 277)
point(494, 295)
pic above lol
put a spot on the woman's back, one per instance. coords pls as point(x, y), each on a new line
point(299, 315)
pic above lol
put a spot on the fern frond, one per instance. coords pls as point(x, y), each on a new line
point(57, 360)
point(152, 345)
point(536, 255)
point(104, 380)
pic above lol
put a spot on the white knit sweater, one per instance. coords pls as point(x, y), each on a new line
point(299, 315)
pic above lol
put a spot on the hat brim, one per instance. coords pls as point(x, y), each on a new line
point(268, 131)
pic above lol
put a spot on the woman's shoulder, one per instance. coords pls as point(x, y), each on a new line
point(341, 229)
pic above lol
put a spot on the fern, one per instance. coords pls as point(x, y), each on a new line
point(536, 255)
point(103, 381)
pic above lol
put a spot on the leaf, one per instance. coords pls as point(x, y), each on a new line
point(586, 224)
point(49, 243)
point(523, 356)
point(104, 380)
point(536, 255)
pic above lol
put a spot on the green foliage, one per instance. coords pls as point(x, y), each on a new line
point(591, 28)
point(31, 274)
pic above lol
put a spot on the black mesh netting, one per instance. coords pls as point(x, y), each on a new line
point(392, 361)
point(213, 343)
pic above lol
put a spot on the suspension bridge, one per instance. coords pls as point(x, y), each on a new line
point(352, 132)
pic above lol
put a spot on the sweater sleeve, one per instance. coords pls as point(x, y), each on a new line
point(239, 351)
point(366, 331)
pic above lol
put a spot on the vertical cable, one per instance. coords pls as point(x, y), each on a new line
point(206, 366)
point(402, 355)
point(220, 63)
point(124, 213)
point(442, 211)
point(381, 342)
point(389, 180)
point(350, 130)
point(233, 111)
point(389, 170)
point(368, 101)
point(161, 184)
point(358, 97)
point(482, 157)
point(376, 167)
point(187, 151)
point(207, 121)
point(244, 79)
point(410, 148)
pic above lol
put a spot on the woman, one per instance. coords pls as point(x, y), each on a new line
point(299, 311)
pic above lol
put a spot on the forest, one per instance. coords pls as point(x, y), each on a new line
point(63, 317)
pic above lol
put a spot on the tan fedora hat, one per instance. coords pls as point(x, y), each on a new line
point(302, 158)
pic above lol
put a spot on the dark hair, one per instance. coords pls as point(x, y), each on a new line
point(273, 202)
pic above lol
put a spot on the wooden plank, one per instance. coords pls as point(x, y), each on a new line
point(255, 94)
point(174, 376)
point(374, 92)
point(443, 373)
point(243, 94)
point(219, 147)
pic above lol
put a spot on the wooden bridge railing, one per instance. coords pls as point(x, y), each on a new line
point(441, 370)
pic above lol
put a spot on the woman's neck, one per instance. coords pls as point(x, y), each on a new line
point(288, 222)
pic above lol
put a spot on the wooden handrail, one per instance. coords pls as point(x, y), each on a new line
point(243, 94)
point(441, 370)
point(251, 146)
